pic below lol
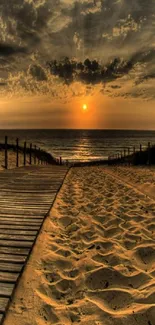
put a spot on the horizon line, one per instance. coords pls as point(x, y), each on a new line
point(73, 129)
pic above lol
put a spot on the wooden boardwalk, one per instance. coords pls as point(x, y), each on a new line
point(26, 196)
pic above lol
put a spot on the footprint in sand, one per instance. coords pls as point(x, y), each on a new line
point(99, 278)
point(63, 252)
point(66, 285)
point(145, 256)
point(65, 221)
point(112, 300)
point(52, 277)
point(48, 315)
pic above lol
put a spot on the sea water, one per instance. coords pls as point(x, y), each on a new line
point(84, 145)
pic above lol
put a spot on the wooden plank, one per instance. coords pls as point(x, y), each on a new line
point(8, 277)
point(12, 267)
point(19, 222)
point(12, 258)
point(35, 186)
point(19, 217)
point(18, 232)
point(34, 196)
point(30, 182)
point(33, 200)
point(6, 289)
point(23, 203)
point(14, 243)
point(30, 190)
point(15, 251)
point(13, 196)
point(46, 191)
point(17, 237)
point(16, 227)
point(23, 211)
point(3, 304)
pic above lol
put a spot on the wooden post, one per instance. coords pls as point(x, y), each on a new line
point(24, 153)
point(60, 161)
point(38, 156)
point(129, 156)
point(6, 153)
point(149, 158)
point(17, 152)
point(30, 154)
point(35, 154)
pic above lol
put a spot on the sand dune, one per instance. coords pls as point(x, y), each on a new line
point(94, 261)
point(141, 177)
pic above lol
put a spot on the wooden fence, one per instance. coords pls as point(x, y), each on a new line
point(32, 154)
point(142, 155)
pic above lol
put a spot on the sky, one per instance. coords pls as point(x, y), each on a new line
point(57, 55)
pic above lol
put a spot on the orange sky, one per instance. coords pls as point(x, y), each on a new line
point(102, 112)
point(56, 56)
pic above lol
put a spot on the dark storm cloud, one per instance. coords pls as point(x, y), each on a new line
point(143, 56)
point(123, 29)
point(7, 50)
point(116, 27)
point(93, 21)
point(38, 73)
point(89, 72)
point(100, 30)
point(23, 20)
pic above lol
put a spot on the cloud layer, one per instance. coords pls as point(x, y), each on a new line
point(119, 35)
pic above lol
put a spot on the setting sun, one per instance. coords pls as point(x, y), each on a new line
point(84, 107)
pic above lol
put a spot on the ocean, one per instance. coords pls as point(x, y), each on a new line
point(81, 145)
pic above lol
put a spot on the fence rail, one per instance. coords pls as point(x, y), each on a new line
point(144, 155)
point(32, 154)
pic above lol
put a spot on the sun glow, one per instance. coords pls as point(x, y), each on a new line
point(84, 107)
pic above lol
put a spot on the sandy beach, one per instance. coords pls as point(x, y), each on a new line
point(11, 160)
point(94, 260)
